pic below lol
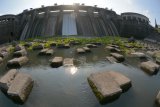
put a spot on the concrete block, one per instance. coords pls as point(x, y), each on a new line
point(28, 44)
point(158, 99)
point(119, 57)
point(17, 62)
point(123, 81)
point(138, 54)
point(108, 86)
point(38, 47)
point(50, 52)
point(4, 54)
point(80, 51)
point(111, 59)
point(18, 48)
point(20, 53)
point(57, 62)
point(43, 52)
point(87, 49)
point(7, 80)
point(91, 45)
point(104, 86)
point(1, 60)
point(20, 88)
point(53, 44)
point(68, 62)
point(150, 67)
point(75, 43)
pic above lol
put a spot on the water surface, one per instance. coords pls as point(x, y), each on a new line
point(68, 86)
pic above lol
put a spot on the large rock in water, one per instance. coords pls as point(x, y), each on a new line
point(108, 86)
point(158, 99)
point(4, 54)
point(91, 45)
point(111, 59)
point(43, 52)
point(138, 54)
point(50, 52)
point(1, 60)
point(68, 62)
point(20, 87)
point(87, 49)
point(20, 53)
point(38, 47)
point(17, 62)
point(18, 48)
point(150, 67)
point(57, 62)
point(80, 51)
point(7, 80)
point(119, 57)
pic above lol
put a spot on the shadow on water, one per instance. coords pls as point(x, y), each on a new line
point(68, 86)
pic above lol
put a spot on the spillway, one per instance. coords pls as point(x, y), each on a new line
point(69, 24)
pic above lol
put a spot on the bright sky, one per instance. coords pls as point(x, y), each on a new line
point(150, 8)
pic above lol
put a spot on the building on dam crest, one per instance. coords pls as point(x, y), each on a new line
point(64, 20)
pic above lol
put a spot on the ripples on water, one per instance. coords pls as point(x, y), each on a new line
point(68, 86)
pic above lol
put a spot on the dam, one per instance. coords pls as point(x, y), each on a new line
point(66, 20)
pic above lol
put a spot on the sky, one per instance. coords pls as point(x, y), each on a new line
point(150, 8)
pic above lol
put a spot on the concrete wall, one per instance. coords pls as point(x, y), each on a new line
point(71, 20)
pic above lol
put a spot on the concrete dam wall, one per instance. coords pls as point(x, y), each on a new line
point(64, 20)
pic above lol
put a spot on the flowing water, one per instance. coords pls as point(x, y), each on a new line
point(68, 86)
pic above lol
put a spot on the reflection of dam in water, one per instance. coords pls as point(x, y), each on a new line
point(63, 20)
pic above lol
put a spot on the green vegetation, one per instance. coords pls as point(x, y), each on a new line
point(123, 43)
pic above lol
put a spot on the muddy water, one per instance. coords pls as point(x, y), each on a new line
point(68, 86)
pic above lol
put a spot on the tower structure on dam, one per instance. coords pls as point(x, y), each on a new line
point(64, 20)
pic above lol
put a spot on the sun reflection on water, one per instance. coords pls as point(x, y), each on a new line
point(72, 70)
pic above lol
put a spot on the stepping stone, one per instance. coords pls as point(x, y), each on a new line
point(150, 67)
point(119, 57)
point(110, 48)
point(113, 49)
point(57, 62)
point(4, 54)
point(108, 86)
point(20, 88)
point(43, 52)
point(87, 49)
point(50, 52)
point(53, 44)
point(115, 46)
point(91, 46)
point(18, 48)
point(38, 47)
point(111, 59)
point(75, 43)
point(80, 51)
point(97, 43)
point(17, 62)
point(138, 54)
point(68, 62)
point(158, 99)
point(64, 46)
point(123, 81)
point(7, 80)
point(1, 60)
point(28, 44)
point(20, 53)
